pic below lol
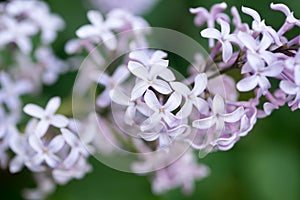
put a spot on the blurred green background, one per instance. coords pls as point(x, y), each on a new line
point(265, 165)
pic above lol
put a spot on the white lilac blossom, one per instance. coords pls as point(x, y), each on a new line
point(224, 37)
point(260, 72)
point(192, 97)
point(164, 114)
point(161, 111)
point(110, 83)
point(219, 116)
point(47, 117)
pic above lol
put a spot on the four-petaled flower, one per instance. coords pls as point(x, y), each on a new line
point(46, 152)
point(161, 111)
point(192, 96)
point(224, 37)
point(259, 74)
point(47, 117)
point(219, 116)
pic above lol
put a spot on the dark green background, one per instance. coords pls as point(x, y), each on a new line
point(265, 165)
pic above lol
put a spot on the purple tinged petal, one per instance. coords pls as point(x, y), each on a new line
point(34, 110)
point(247, 40)
point(138, 70)
point(173, 102)
point(104, 79)
point(234, 116)
point(181, 88)
point(109, 40)
point(255, 61)
point(120, 75)
point(119, 97)
point(129, 115)
point(59, 121)
point(218, 8)
point(252, 13)
point(52, 160)
point(151, 100)
point(185, 111)
point(170, 119)
point(52, 105)
point(264, 83)
point(268, 108)
point(158, 55)
point(139, 56)
point(247, 83)
point(95, 18)
point(139, 89)
point(281, 7)
point(200, 84)
point(167, 75)
point(103, 99)
point(56, 144)
point(35, 143)
point(204, 123)
point(274, 70)
point(164, 141)
point(16, 164)
point(41, 128)
point(71, 158)
point(156, 69)
point(37, 159)
point(225, 28)
point(288, 87)
point(297, 75)
point(211, 33)
point(218, 106)
point(69, 137)
point(265, 42)
point(161, 86)
point(86, 31)
point(201, 105)
point(149, 136)
point(227, 51)
point(151, 121)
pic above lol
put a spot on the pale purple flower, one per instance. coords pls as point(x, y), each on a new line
point(259, 25)
point(224, 37)
point(259, 74)
point(51, 66)
point(219, 116)
point(192, 96)
point(98, 31)
point(165, 135)
point(293, 88)
point(47, 117)
point(239, 26)
point(182, 173)
point(133, 106)
point(148, 78)
point(202, 16)
point(110, 83)
point(258, 48)
point(160, 111)
point(11, 90)
point(77, 148)
point(13, 31)
point(46, 152)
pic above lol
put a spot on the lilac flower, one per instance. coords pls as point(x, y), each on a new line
point(46, 152)
point(202, 15)
point(47, 117)
point(293, 88)
point(98, 31)
point(165, 135)
point(259, 74)
point(77, 148)
point(192, 96)
point(161, 111)
point(120, 98)
point(239, 26)
point(219, 116)
point(16, 32)
point(51, 66)
point(11, 91)
point(110, 83)
point(148, 78)
point(256, 48)
point(224, 37)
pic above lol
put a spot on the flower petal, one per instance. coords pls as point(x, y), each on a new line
point(52, 105)
point(151, 100)
point(218, 106)
point(204, 123)
point(247, 83)
point(211, 33)
point(56, 143)
point(59, 121)
point(234, 116)
point(161, 86)
point(34, 110)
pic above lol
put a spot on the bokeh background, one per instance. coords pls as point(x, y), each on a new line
point(265, 165)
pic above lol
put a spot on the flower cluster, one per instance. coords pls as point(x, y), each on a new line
point(141, 104)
